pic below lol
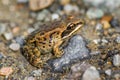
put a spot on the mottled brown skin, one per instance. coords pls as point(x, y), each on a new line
point(44, 44)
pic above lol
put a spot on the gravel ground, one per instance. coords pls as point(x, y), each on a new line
point(92, 54)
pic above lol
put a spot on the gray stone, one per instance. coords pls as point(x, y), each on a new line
point(36, 5)
point(1, 55)
point(117, 76)
point(94, 13)
point(22, 1)
point(8, 36)
point(96, 41)
point(99, 27)
point(104, 41)
point(80, 67)
point(19, 40)
point(37, 24)
point(108, 72)
point(30, 78)
point(14, 46)
point(94, 2)
point(116, 60)
point(55, 16)
point(44, 15)
point(2, 28)
point(12, 24)
point(5, 2)
point(112, 4)
point(118, 39)
point(77, 70)
point(106, 5)
point(33, 14)
point(75, 50)
point(91, 74)
point(70, 8)
point(30, 30)
point(36, 73)
point(95, 52)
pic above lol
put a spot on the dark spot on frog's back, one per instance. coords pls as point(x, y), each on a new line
point(42, 43)
point(44, 39)
point(54, 34)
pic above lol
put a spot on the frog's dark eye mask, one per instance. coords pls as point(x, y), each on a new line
point(72, 28)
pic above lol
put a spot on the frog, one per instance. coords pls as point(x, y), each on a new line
point(44, 44)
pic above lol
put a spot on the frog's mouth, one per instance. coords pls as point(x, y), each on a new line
point(71, 33)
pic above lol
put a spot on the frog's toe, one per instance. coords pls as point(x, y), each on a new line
point(59, 54)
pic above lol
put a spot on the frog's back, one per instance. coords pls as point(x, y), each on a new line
point(47, 28)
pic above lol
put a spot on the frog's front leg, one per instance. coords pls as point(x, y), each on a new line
point(57, 51)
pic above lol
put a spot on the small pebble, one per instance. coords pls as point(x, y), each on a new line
point(118, 39)
point(116, 60)
point(115, 23)
point(106, 5)
point(99, 27)
point(64, 2)
point(108, 72)
point(33, 14)
point(80, 67)
point(68, 8)
point(39, 4)
point(36, 73)
point(97, 41)
point(25, 34)
point(107, 18)
point(106, 24)
point(55, 16)
point(22, 1)
point(91, 74)
point(95, 53)
point(117, 76)
point(43, 15)
point(14, 46)
point(19, 40)
point(5, 2)
point(6, 71)
point(37, 25)
point(30, 30)
point(71, 8)
point(94, 2)
point(16, 30)
point(77, 70)
point(112, 4)
point(13, 24)
point(1, 55)
point(104, 41)
point(94, 13)
point(2, 28)
point(8, 36)
point(30, 78)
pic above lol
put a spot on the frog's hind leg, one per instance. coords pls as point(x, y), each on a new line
point(33, 56)
point(57, 51)
point(36, 60)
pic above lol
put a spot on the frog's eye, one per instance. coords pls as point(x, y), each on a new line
point(70, 26)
